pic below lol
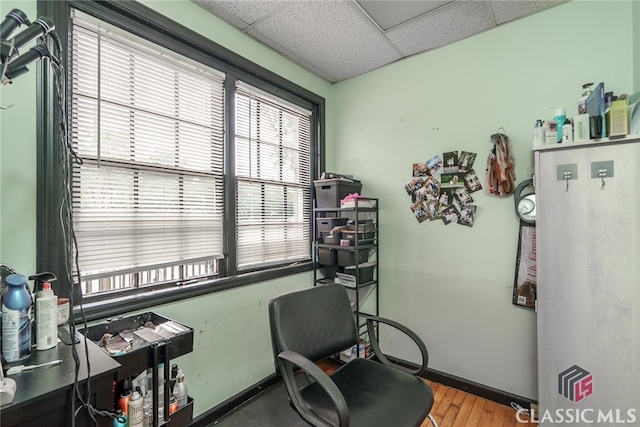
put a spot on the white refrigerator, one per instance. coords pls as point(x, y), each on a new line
point(588, 283)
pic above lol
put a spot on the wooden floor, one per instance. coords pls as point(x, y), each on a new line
point(456, 408)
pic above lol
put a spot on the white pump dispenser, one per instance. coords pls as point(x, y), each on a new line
point(46, 318)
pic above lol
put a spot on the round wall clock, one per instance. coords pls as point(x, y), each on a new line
point(525, 201)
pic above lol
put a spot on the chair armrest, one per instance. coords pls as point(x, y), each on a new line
point(289, 360)
point(372, 320)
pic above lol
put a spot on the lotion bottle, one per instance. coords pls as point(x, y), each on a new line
point(180, 390)
point(46, 318)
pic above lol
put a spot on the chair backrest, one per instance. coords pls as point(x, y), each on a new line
point(316, 322)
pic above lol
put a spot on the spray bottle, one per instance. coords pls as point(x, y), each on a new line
point(16, 319)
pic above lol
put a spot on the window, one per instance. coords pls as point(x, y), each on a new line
point(273, 179)
point(196, 166)
point(148, 198)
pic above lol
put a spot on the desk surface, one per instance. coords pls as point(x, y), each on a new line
point(42, 382)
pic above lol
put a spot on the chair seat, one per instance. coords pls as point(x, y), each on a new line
point(376, 395)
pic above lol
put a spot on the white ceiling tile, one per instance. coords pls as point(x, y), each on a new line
point(241, 13)
point(505, 11)
point(223, 13)
point(446, 25)
point(292, 56)
point(389, 13)
point(330, 34)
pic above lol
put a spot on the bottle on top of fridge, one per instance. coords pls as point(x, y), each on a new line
point(559, 116)
point(538, 133)
point(582, 103)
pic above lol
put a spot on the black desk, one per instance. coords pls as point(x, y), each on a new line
point(44, 395)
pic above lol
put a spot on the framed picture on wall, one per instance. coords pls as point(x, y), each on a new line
point(525, 284)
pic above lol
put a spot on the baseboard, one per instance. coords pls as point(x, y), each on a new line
point(217, 412)
point(477, 389)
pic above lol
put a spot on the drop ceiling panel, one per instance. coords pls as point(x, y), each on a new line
point(388, 14)
point(331, 34)
point(443, 26)
point(241, 13)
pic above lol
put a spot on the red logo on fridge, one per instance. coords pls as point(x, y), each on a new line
point(575, 383)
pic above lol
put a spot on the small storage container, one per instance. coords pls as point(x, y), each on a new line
point(331, 239)
point(364, 225)
point(347, 257)
point(325, 225)
point(363, 238)
point(329, 192)
point(327, 256)
point(364, 272)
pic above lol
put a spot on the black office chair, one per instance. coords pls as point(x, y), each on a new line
point(312, 324)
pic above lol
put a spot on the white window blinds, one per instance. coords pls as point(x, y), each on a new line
point(149, 126)
point(273, 179)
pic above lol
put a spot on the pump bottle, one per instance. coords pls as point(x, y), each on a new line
point(46, 318)
point(180, 390)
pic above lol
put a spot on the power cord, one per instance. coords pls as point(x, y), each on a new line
point(520, 409)
point(66, 221)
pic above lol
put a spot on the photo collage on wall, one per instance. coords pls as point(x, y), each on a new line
point(441, 188)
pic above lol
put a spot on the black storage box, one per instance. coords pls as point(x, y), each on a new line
point(331, 239)
point(325, 225)
point(329, 192)
point(330, 271)
point(363, 238)
point(365, 225)
point(140, 357)
point(347, 257)
point(364, 272)
point(327, 256)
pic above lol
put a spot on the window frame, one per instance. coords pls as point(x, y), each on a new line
point(151, 25)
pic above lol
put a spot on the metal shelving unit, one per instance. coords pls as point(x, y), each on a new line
point(332, 261)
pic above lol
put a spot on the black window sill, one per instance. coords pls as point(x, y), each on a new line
point(112, 307)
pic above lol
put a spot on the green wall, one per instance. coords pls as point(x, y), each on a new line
point(452, 284)
point(18, 163)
